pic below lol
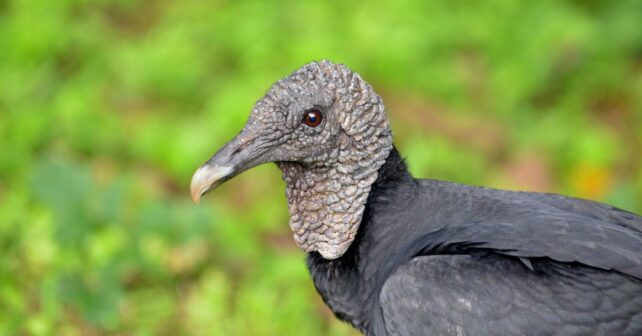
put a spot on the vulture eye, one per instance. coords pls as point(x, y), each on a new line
point(312, 118)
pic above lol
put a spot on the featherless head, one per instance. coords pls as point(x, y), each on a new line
point(327, 130)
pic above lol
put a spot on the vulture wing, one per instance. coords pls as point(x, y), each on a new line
point(481, 294)
point(486, 262)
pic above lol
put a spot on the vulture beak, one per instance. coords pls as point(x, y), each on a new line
point(235, 157)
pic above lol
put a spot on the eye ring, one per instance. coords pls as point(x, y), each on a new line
point(312, 118)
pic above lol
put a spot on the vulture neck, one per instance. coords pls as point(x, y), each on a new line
point(350, 284)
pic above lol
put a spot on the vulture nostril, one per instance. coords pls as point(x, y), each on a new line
point(242, 144)
point(237, 150)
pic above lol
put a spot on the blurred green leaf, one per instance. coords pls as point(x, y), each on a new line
point(107, 107)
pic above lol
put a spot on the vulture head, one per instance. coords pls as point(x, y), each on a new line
point(326, 129)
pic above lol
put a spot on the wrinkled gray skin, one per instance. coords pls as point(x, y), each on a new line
point(328, 169)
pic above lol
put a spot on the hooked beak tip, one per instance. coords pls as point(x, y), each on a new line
point(206, 178)
point(196, 197)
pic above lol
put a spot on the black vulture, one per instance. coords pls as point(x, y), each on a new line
point(395, 255)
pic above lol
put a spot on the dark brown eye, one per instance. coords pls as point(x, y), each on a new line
point(312, 118)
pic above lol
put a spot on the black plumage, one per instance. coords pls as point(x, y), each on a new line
point(434, 257)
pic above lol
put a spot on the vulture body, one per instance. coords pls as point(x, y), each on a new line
point(439, 258)
point(395, 255)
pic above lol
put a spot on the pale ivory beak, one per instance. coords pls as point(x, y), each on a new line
point(207, 177)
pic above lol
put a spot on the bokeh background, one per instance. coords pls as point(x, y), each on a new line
point(107, 108)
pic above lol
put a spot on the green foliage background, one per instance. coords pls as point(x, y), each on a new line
point(107, 107)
